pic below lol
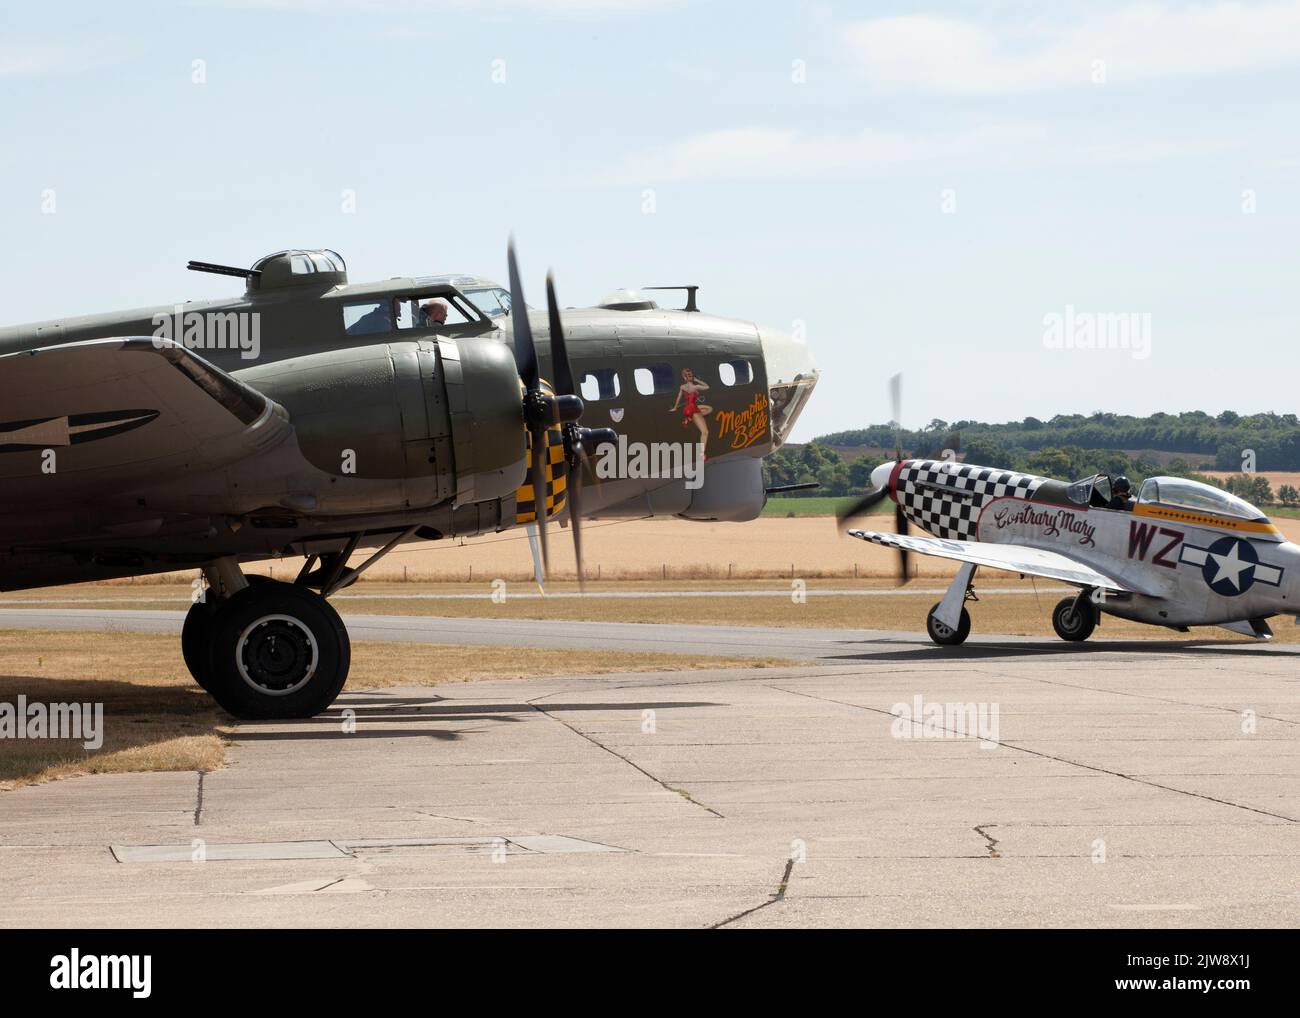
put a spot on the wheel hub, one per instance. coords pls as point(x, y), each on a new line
point(277, 655)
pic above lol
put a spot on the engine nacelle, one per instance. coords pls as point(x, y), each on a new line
point(439, 419)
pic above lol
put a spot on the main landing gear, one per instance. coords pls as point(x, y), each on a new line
point(264, 649)
point(949, 622)
point(271, 650)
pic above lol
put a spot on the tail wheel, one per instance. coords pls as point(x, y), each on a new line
point(945, 636)
point(277, 651)
point(1074, 619)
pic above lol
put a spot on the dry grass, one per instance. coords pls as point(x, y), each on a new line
point(378, 665)
point(157, 719)
point(154, 717)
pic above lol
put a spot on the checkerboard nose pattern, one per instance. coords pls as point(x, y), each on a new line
point(945, 498)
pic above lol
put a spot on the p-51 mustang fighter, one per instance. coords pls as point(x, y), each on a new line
point(1184, 554)
point(313, 417)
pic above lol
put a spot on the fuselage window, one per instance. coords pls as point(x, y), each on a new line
point(487, 301)
point(655, 379)
point(600, 384)
point(430, 312)
point(367, 319)
point(735, 373)
point(1080, 492)
point(492, 301)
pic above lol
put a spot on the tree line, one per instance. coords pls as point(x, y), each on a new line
point(1274, 438)
point(817, 462)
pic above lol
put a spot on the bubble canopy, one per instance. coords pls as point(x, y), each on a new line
point(1180, 493)
point(296, 267)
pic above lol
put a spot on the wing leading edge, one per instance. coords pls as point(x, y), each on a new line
point(1009, 557)
point(184, 415)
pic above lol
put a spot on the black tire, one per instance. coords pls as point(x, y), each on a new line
point(196, 635)
point(944, 636)
point(1074, 619)
point(197, 632)
point(277, 651)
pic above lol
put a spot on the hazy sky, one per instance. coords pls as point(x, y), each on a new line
point(919, 185)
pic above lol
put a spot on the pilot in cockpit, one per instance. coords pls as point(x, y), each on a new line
point(433, 314)
point(1121, 496)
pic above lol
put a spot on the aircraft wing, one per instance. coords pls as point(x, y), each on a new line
point(87, 420)
point(1009, 557)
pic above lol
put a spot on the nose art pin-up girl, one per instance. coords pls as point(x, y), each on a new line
point(694, 411)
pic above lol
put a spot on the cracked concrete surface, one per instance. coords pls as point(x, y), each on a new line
point(1123, 789)
point(992, 841)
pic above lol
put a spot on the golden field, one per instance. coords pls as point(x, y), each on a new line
point(1276, 478)
point(658, 549)
point(668, 548)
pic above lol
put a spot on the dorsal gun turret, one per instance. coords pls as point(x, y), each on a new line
point(320, 270)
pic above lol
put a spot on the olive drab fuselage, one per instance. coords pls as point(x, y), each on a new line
point(376, 420)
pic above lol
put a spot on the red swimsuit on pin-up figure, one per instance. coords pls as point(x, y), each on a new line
point(694, 411)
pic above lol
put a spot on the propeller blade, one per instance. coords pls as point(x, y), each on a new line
point(531, 528)
point(538, 475)
point(900, 526)
point(568, 408)
point(561, 370)
point(575, 517)
point(525, 350)
point(861, 506)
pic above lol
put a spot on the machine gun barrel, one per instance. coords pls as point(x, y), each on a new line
point(223, 270)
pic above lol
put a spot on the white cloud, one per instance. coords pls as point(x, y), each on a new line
point(786, 153)
point(948, 55)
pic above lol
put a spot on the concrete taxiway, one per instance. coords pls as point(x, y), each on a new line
point(1129, 784)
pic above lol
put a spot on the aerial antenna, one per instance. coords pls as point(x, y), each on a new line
point(691, 291)
point(223, 270)
point(803, 486)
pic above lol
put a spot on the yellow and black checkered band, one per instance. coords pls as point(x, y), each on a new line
point(556, 480)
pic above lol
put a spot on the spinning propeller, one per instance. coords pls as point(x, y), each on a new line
point(871, 499)
point(544, 410)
